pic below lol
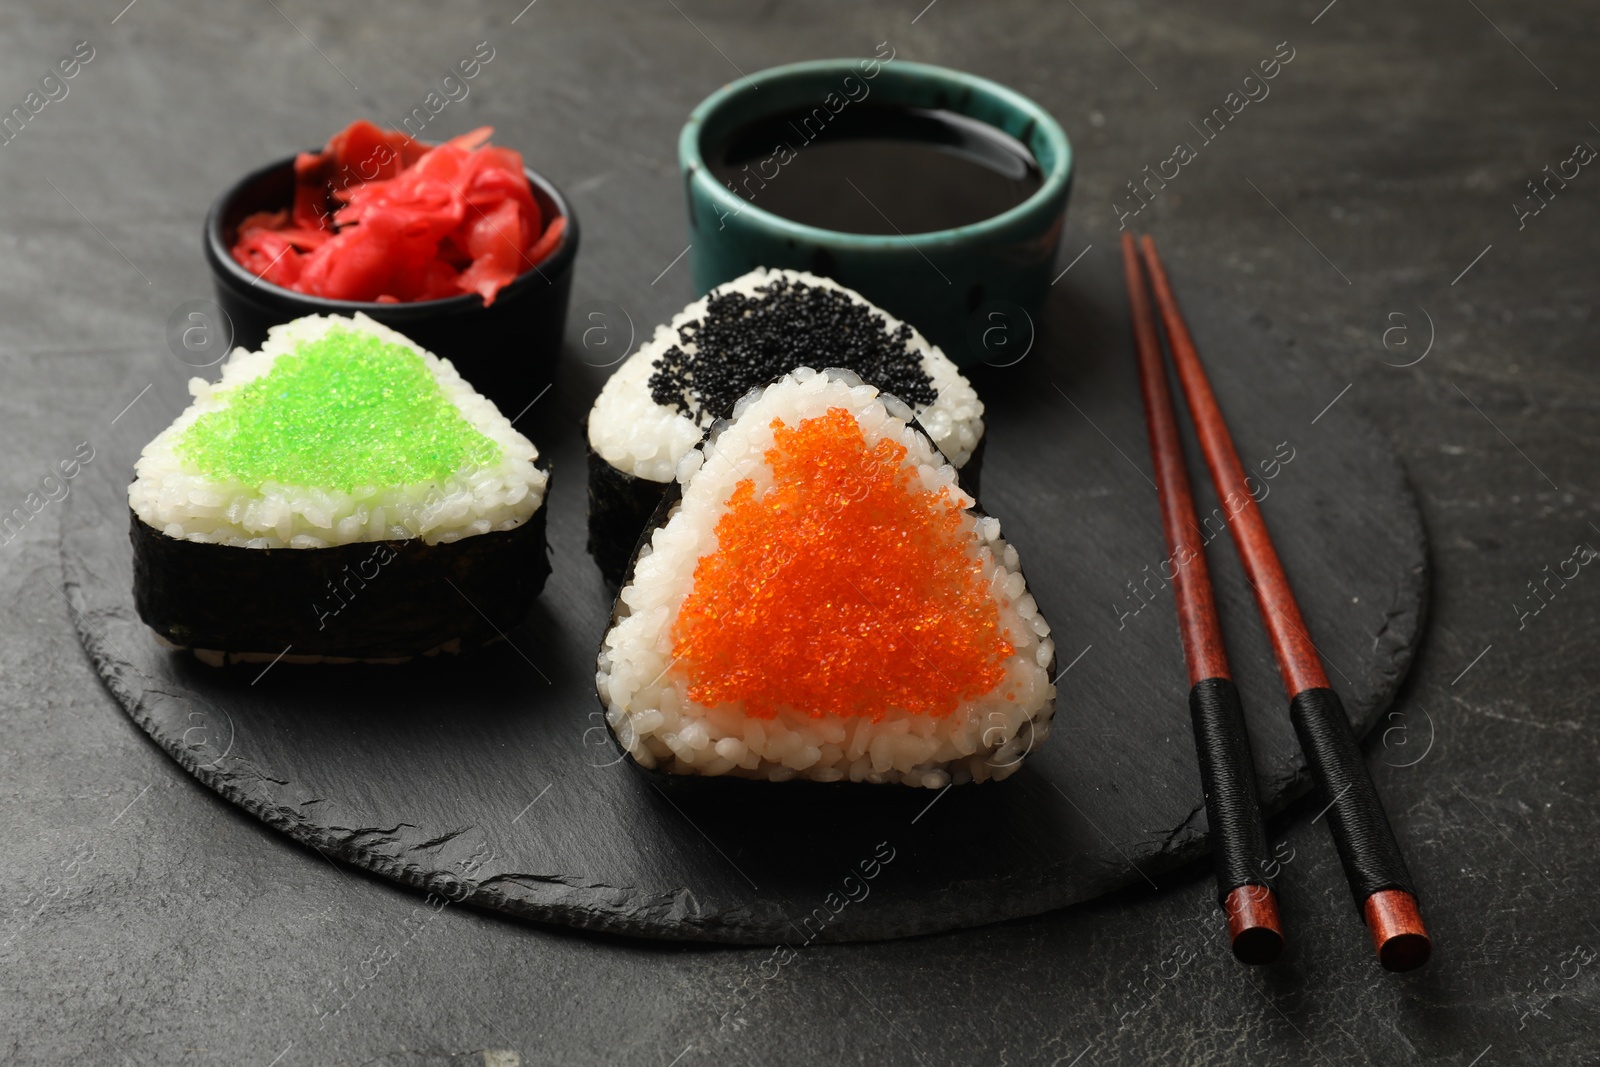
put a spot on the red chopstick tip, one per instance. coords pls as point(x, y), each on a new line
point(1398, 934)
point(1253, 926)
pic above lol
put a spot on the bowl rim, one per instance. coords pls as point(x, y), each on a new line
point(228, 270)
point(1050, 190)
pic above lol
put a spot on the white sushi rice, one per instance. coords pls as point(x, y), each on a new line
point(638, 436)
point(647, 702)
point(181, 502)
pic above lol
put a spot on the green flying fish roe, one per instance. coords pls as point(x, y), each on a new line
point(343, 411)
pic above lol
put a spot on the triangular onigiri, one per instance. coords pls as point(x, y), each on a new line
point(824, 601)
point(339, 494)
point(739, 336)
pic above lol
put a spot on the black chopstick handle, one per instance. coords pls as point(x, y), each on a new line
point(1361, 832)
point(1228, 777)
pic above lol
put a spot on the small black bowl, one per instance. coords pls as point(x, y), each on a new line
point(507, 350)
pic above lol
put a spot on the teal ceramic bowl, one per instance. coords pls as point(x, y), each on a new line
point(954, 285)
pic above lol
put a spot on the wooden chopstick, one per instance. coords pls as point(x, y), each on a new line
point(1227, 775)
point(1371, 856)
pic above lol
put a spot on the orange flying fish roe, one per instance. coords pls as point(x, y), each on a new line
point(846, 589)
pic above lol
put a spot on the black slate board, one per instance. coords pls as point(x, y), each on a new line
point(492, 779)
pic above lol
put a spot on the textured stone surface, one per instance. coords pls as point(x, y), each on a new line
point(146, 921)
point(435, 773)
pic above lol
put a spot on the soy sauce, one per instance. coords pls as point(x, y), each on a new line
point(876, 168)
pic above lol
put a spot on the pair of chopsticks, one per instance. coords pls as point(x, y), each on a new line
point(1367, 848)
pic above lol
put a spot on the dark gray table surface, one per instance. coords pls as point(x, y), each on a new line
point(1363, 208)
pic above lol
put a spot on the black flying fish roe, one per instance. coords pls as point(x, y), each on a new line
point(746, 340)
